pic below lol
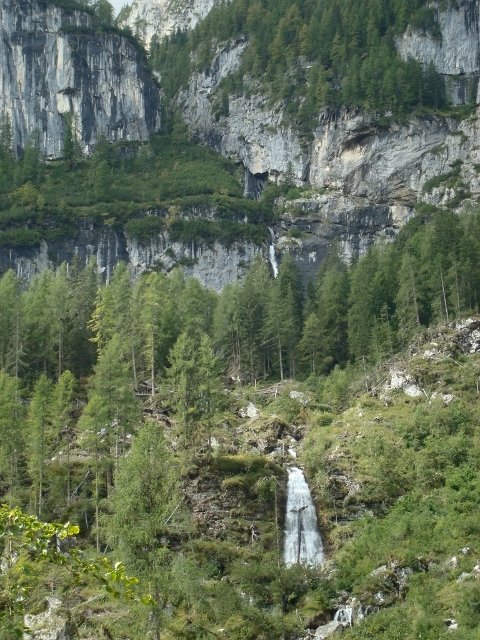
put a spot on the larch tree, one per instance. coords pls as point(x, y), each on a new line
point(194, 379)
point(12, 436)
point(148, 493)
point(11, 319)
point(63, 422)
point(39, 421)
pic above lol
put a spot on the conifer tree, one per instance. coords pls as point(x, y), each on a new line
point(80, 348)
point(38, 320)
point(332, 304)
point(58, 300)
point(194, 377)
point(11, 318)
point(39, 422)
point(63, 422)
point(254, 297)
point(362, 305)
point(309, 344)
point(148, 493)
point(112, 309)
point(12, 436)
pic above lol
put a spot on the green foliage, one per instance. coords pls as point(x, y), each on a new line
point(145, 189)
point(396, 478)
point(28, 542)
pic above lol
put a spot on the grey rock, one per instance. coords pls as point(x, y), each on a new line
point(301, 397)
point(54, 64)
point(49, 625)
point(147, 18)
point(455, 50)
point(329, 630)
point(249, 411)
point(465, 576)
point(213, 265)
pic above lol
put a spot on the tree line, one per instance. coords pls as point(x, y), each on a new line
point(128, 338)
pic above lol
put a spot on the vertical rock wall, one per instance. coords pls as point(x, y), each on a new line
point(54, 63)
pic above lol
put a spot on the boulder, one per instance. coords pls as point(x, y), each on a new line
point(328, 630)
point(48, 625)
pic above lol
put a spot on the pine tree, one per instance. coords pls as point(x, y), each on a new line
point(147, 493)
point(80, 351)
point(227, 329)
point(362, 305)
point(112, 309)
point(11, 319)
point(112, 413)
point(58, 301)
point(332, 305)
point(195, 385)
point(39, 422)
point(63, 406)
point(38, 321)
point(12, 437)
point(407, 306)
point(309, 344)
point(254, 297)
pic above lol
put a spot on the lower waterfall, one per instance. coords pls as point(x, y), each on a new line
point(303, 544)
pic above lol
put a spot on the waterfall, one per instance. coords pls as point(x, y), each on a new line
point(344, 615)
point(303, 544)
point(271, 253)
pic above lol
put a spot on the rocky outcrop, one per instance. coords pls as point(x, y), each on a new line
point(367, 173)
point(52, 624)
point(55, 62)
point(310, 225)
point(147, 18)
point(351, 153)
point(214, 265)
point(365, 176)
point(453, 47)
point(252, 133)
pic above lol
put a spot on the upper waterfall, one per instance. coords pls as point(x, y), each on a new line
point(303, 544)
point(271, 253)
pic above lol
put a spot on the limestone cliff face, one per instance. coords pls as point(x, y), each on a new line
point(365, 173)
point(454, 50)
point(147, 18)
point(54, 63)
point(213, 265)
point(349, 151)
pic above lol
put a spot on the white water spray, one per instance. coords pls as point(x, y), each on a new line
point(344, 615)
point(271, 253)
point(303, 544)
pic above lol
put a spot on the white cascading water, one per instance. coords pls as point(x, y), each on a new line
point(303, 544)
point(344, 615)
point(271, 253)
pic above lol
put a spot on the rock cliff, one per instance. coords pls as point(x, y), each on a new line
point(454, 47)
point(147, 18)
point(214, 265)
point(55, 62)
point(349, 151)
point(363, 174)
